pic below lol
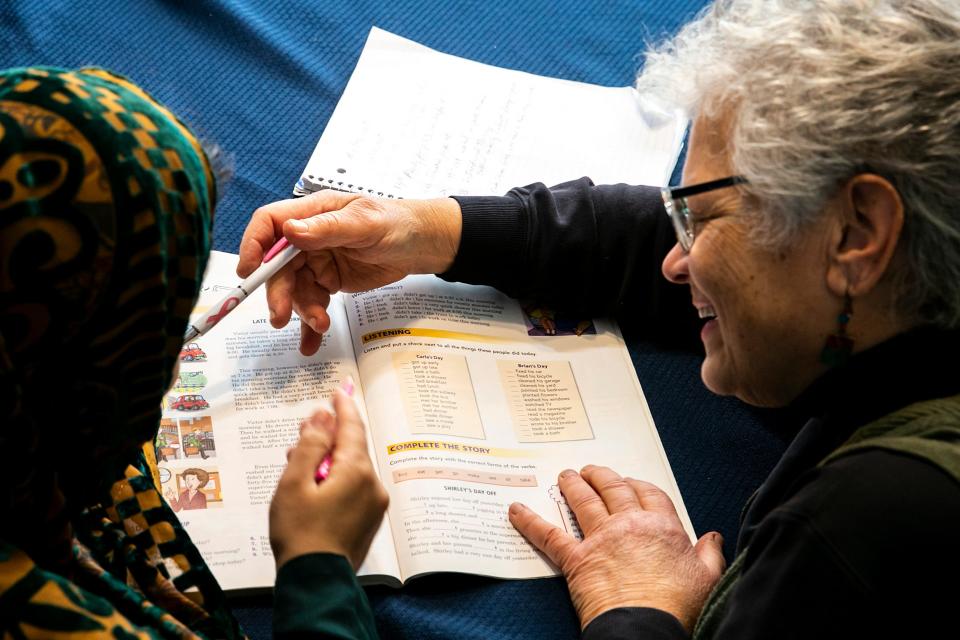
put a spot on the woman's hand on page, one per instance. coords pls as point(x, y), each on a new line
point(348, 243)
point(634, 552)
point(340, 514)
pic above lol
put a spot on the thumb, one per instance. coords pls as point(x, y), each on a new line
point(328, 231)
point(316, 441)
point(709, 549)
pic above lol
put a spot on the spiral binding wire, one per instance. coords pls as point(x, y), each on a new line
point(313, 183)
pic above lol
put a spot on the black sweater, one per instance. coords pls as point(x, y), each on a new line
point(857, 548)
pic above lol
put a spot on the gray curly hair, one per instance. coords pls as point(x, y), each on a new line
point(825, 89)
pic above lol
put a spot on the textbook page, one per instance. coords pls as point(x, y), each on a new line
point(234, 409)
point(475, 402)
point(414, 122)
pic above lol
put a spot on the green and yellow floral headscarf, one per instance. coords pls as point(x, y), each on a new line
point(106, 202)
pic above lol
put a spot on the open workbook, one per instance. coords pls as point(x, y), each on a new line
point(472, 400)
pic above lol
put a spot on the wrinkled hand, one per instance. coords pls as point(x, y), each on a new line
point(340, 514)
point(348, 243)
point(634, 552)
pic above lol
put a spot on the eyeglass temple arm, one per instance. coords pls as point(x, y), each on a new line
point(693, 190)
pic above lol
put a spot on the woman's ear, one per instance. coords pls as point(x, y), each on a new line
point(871, 223)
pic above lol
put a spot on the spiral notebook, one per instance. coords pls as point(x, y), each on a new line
point(414, 122)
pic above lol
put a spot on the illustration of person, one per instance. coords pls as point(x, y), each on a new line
point(547, 322)
point(159, 445)
point(195, 440)
point(191, 497)
point(542, 319)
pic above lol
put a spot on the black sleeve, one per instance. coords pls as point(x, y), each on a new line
point(579, 248)
point(862, 550)
point(632, 623)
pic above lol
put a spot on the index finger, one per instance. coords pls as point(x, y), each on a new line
point(257, 239)
point(553, 541)
point(266, 223)
point(316, 440)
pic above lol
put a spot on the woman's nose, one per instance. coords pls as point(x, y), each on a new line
point(675, 265)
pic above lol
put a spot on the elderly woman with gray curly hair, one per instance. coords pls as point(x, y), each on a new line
point(818, 235)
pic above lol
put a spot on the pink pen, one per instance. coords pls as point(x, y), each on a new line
point(275, 259)
point(324, 469)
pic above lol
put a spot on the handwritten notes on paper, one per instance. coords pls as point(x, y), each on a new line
point(414, 122)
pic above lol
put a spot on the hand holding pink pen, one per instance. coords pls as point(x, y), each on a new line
point(342, 513)
point(279, 255)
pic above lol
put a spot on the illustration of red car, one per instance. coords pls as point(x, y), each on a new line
point(190, 403)
point(192, 353)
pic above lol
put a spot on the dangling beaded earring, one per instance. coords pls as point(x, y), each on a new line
point(839, 346)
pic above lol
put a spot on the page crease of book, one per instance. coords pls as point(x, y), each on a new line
point(414, 122)
point(470, 406)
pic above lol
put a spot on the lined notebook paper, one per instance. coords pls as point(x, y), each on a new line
point(414, 122)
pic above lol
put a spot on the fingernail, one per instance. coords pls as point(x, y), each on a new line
point(348, 386)
point(313, 323)
point(297, 226)
point(566, 473)
point(516, 508)
point(717, 538)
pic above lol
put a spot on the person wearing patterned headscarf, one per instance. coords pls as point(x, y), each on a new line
point(106, 202)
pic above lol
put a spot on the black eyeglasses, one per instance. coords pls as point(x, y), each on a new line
point(675, 202)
